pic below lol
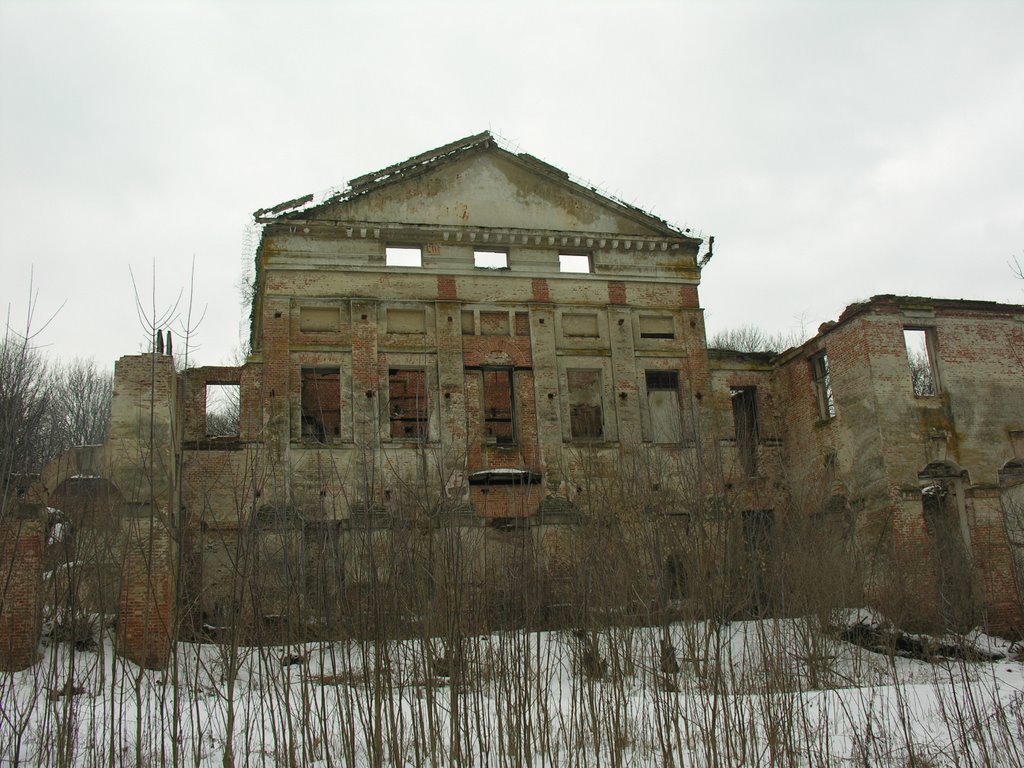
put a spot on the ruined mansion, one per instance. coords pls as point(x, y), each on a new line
point(471, 351)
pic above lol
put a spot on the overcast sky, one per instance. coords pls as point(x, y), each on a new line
point(835, 149)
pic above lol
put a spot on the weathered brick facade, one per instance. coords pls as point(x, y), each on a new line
point(450, 354)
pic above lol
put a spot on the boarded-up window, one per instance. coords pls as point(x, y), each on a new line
point(744, 413)
point(494, 323)
point(321, 404)
point(318, 319)
point(663, 406)
point(580, 325)
point(406, 321)
point(657, 327)
point(586, 418)
point(407, 403)
point(499, 426)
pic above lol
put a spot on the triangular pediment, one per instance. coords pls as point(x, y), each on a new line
point(479, 184)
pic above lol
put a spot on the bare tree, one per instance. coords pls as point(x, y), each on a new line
point(921, 372)
point(750, 338)
point(80, 404)
point(24, 399)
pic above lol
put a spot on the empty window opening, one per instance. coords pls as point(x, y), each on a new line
point(663, 406)
point(823, 386)
point(660, 327)
point(494, 323)
point(744, 414)
point(499, 426)
point(223, 410)
point(490, 259)
point(318, 319)
point(578, 263)
point(586, 420)
point(403, 256)
point(407, 403)
point(920, 355)
point(321, 404)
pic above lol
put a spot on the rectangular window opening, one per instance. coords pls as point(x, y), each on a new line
point(823, 386)
point(223, 410)
point(920, 343)
point(586, 418)
point(407, 403)
point(403, 256)
point(499, 424)
point(744, 413)
point(576, 263)
point(321, 404)
point(490, 259)
point(663, 406)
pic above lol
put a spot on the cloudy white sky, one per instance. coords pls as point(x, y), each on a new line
point(835, 149)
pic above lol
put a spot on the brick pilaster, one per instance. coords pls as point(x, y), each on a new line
point(21, 568)
point(146, 605)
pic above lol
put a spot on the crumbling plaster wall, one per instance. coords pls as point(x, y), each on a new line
point(883, 435)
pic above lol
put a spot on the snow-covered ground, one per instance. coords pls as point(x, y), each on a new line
point(698, 693)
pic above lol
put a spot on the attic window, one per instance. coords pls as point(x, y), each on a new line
point(490, 259)
point(574, 263)
point(403, 256)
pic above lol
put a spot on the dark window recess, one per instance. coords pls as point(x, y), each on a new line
point(499, 426)
point(663, 406)
point(952, 564)
point(758, 531)
point(744, 414)
point(675, 580)
point(823, 386)
point(585, 414)
point(321, 404)
point(407, 403)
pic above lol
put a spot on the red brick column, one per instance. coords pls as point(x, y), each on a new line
point(21, 570)
point(146, 605)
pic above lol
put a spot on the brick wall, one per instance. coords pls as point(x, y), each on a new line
point(146, 607)
point(21, 569)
